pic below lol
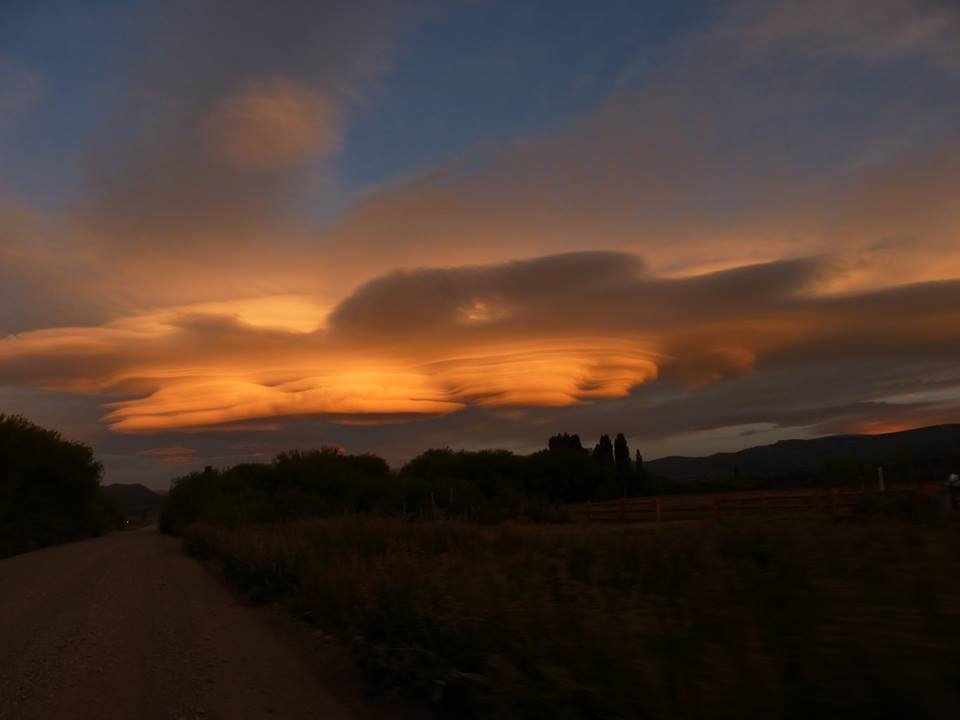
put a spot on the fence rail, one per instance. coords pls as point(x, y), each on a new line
point(835, 501)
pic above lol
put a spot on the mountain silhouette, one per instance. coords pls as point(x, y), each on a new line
point(133, 499)
point(912, 455)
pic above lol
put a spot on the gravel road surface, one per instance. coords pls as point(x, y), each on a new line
point(128, 627)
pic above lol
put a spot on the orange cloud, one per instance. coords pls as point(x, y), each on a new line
point(546, 373)
point(567, 331)
point(352, 387)
point(188, 404)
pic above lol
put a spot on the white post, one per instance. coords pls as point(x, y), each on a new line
point(880, 478)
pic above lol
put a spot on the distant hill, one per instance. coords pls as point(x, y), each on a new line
point(133, 499)
point(913, 455)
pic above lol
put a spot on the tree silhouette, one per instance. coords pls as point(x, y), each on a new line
point(563, 441)
point(49, 489)
point(643, 483)
point(621, 455)
point(603, 451)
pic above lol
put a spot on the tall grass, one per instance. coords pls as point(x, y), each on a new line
point(781, 620)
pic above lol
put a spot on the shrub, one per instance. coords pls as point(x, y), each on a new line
point(810, 618)
point(49, 489)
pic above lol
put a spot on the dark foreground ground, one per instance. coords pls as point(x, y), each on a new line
point(127, 627)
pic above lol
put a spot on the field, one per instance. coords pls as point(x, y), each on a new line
point(835, 502)
point(811, 617)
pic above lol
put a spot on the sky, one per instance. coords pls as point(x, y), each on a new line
point(233, 228)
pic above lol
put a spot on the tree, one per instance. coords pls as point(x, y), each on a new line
point(608, 485)
point(49, 489)
point(603, 451)
point(642, 480)
point(624, 466)
point(565, 442)
point(621, 455)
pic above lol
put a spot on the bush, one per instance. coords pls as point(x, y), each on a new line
point(49, 489)
point(810, 618)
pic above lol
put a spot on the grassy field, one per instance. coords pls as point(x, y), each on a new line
point(806, 618)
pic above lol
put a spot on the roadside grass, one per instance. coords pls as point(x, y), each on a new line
point(793, 618)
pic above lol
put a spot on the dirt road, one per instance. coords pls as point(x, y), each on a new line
point(128, 627)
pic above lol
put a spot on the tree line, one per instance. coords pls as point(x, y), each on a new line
point(49, 489)
point(485, 485)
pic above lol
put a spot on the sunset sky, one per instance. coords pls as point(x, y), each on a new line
point(233, 227)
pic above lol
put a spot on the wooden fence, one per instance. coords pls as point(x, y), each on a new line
point(834, 501)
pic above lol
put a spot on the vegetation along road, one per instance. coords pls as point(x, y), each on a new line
point(126, 626)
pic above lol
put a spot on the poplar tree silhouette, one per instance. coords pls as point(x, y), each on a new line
point(643, 484)
point(603, 451)
point(621, 455)
point(623, 465)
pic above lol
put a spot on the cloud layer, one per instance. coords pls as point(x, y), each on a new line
point(551, 332)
